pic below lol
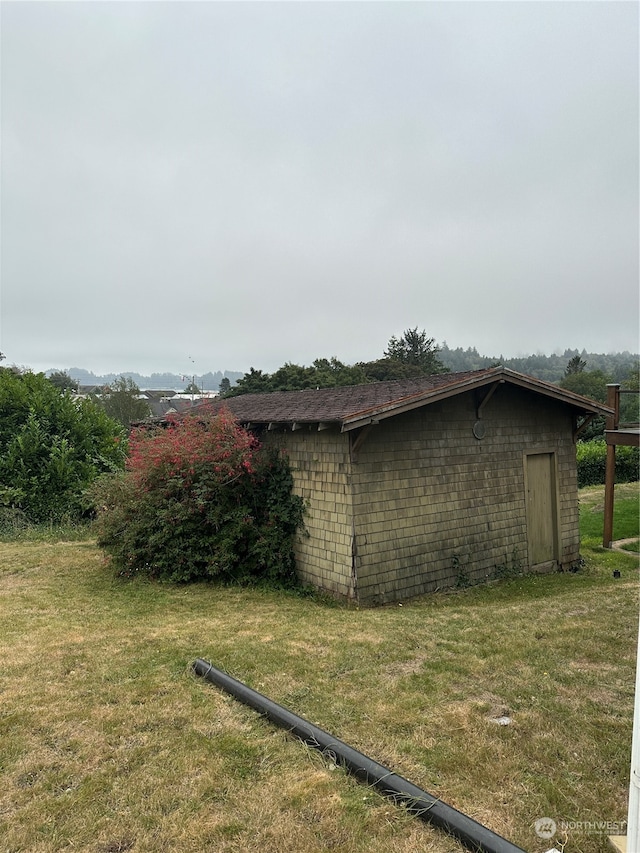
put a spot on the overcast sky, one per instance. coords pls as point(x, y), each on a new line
point(213, 186)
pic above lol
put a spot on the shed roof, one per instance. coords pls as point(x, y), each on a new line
point(354, 406)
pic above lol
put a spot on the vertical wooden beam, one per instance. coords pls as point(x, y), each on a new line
point(613, 402)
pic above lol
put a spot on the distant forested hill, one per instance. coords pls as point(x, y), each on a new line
point(551, 368)
point(157, 381)
point(617, 366)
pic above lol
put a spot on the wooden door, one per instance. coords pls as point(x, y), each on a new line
point(542, 513)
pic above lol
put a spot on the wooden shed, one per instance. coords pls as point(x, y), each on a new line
point(418, 485)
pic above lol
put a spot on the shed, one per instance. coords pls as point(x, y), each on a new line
point(417, 485)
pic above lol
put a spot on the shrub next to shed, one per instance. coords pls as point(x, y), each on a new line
point(592, 459)
point(200, 500)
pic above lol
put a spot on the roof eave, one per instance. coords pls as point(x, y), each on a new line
point(292, 425)
point(584, 404)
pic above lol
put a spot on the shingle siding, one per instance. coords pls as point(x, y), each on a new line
point(451, 507)
point(321, 473)
point(424, 504)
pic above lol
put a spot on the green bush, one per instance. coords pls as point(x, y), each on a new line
point(51, 448)
point(200, 500)
point(12, 521)
point(591, 458)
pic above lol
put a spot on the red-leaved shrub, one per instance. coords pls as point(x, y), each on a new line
point(200, 499)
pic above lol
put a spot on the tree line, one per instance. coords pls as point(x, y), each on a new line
point(415, 354)
point(209, 381)
point(412, 355)
point(551, 368)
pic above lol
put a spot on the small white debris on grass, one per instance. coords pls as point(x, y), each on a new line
point(504, 721)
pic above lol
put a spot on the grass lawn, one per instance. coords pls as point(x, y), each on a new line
point(625, 516)
point(109, 743)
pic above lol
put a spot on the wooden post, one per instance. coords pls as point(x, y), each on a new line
point(613, 402)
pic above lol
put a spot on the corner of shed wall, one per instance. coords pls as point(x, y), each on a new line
point(321, 468)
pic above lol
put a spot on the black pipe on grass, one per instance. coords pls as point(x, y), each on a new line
point(469, 832)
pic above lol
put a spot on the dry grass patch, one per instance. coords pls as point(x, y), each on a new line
point(108, 742)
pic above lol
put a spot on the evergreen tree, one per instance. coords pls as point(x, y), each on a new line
point(63, 381)
point(121, 401)
point(575, 365)
point(253, 382)
point(416, 349)
point(591, 384)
